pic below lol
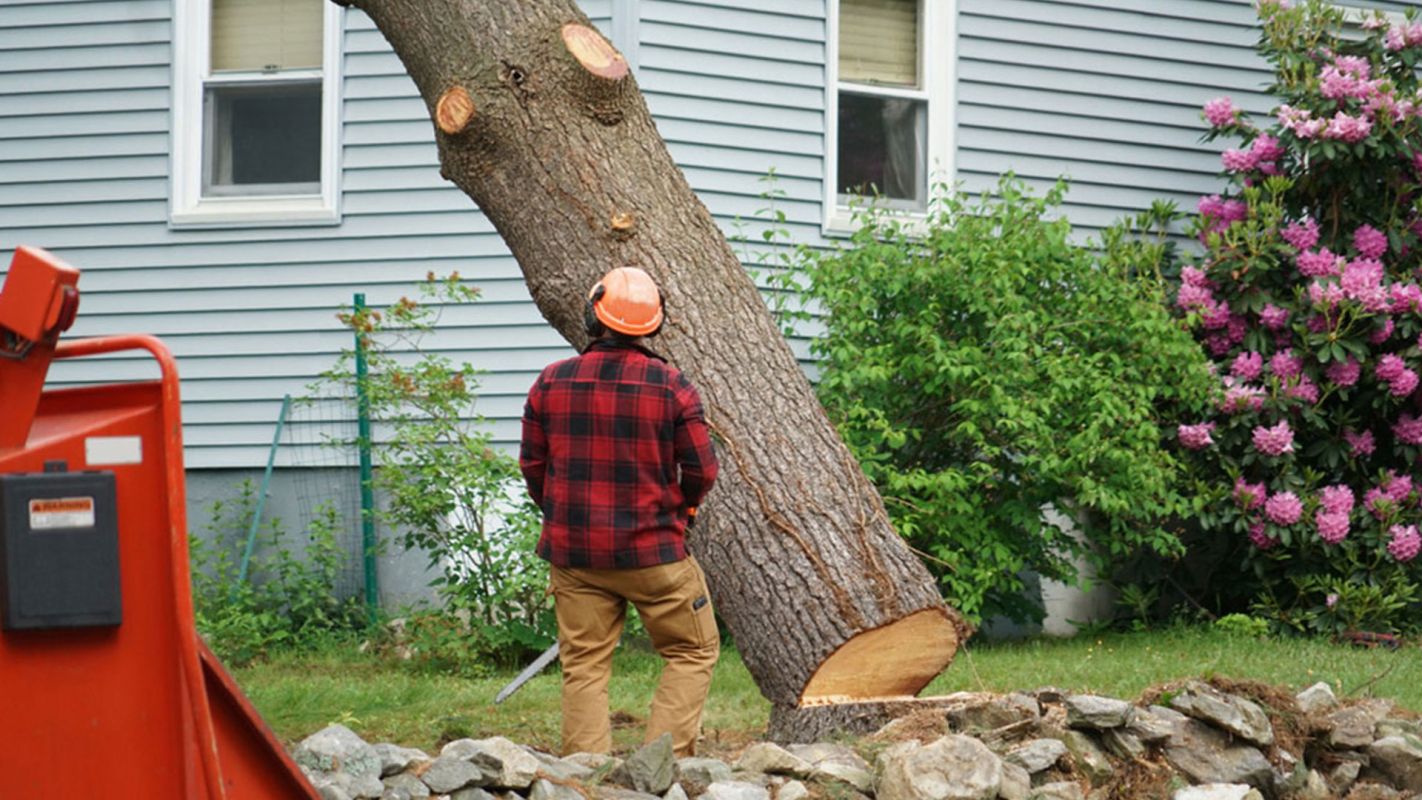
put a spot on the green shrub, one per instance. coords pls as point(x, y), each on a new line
point(986, 367)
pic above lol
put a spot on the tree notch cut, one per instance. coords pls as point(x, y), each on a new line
point(596, 54)
point(454, 110)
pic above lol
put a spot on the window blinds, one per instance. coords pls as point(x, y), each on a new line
point(878, 41)
point(266, 34)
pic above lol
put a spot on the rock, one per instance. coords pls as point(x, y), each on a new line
point(836, 762)
point(562, 770)
point(675, 793)
point(544, 789)
point(1351, 727)
point(1016, 783)
point(407, 785)
point(450, 772)
point(913, 727)
point(1374, 791)
point(1314, 788)
point(651, 769)
point(1155, 724)
point(1398, 727)
point(337, 748)
point(1098, 713)
point(475, 793)
point(344, 784)
point(1060, 790)
point(617, 793)
point(735, 790)
point(508, 766)
point(704, 771)
point(395, 759)
point(1122, 744)
point(1343, 776)
point(1218, 791)
point(1206, 755)
point(597, 762)
point(1400, 759)
point(1036, 755)
point(1230, 713)
point(1290, 775)
point(772, 759)
point(996, 713)
point(1317, 699)
point(792, 790)
point(951, 768)
point(332, 791)
point(1089, 759)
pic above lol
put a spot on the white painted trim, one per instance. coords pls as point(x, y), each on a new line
point(187, 207)
point(626, 25)
point(938, 40)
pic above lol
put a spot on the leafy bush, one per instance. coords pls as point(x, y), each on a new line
point(987, 367)
point(446, 488)
point(1306, 297)
point(288, 599)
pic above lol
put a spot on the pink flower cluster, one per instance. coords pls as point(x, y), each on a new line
point(1405, 542)
point(1348, 128)
point(1302, 234)
point(1334, 506)
point(1320, 264)
point(1348, 76)
point(1361, 444)
point(1220, 214)
point(1393, 371)
point(1241, 397)
point(1283, 508)
point(1369, 241)
point(1262, 155)
point(1259, 535)
point(1249, 496)
point(1399, 37)
point(1395, 490)
point(1407, 429)
point(1344, 373)
point(1247, 366)
point(1273, 317)
point(1196, 437)
point(1274, 441)
point(1362, 281)
point(1220, 111)
point(1300, 121)
point(1406, 298)
point(1285, 365)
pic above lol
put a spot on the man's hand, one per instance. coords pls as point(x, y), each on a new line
point(690, 516)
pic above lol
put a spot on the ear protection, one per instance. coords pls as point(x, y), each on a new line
point(591, 324)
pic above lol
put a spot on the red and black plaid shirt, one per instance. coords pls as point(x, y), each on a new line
point(615, 449)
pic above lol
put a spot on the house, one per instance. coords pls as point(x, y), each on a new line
point(228, 173)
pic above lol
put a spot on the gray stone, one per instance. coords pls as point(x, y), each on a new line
point(1155, 724)
point(1317, 698)
point(1036, 755)
point(508, 766)
point(1122, 744)
point(1398, 727)
point(1375, 791)
point(1218, 791)
point(1089, 759)
point(332, 791)
point(1351, 727)
point(602, 792)
point(1206, 755)
point(735, 790)
point(772, 759)
point(951, 768)
point(1060, 790)
point(1343, 776)
point(450, 772)
point(703, 771)
point(836, 762)
point(1314, 788)
point(597, 762)
point(792, 790)
point(1400, 759)
point(1016, 783)
point(1098, 713)
point(1230, 713)
point(1290, 775)
point(651, 769)
point(395, 759)
point(356, 787)
point(675, 793)
point(337, 748)
point(562, 770)
point(475, 793)
point(995, 713)
point(544, 789)
point(408, 785)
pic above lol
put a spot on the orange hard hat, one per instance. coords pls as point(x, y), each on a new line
point(627, 300)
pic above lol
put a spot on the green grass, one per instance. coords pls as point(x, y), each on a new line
point(299, 693)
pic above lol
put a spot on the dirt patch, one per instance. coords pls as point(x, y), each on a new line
point(622, 719)
point(1141, 778)
point(926, 725)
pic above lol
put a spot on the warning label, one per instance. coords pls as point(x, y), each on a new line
point(52, 513)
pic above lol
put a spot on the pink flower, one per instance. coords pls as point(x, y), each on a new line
point(1215, 316)
point(1236, 327)
point(1336, 499)
point(1220, 111)
point(1283, 508)
point(1284, 364)
point(1194, 276)
point(1332, 528)
point(1344, 373)
point(1266, 148)
point(1301, 235)
point(1377, 502)
point(1259, 536)
point(1303, 389)
point(1241, 398)
point(1249, 496)
point(1408, 429)
point(1348, 128)
point(1273, 317)
point(1317, 265)
point(1193, 298)
point(1389, 367)
point(1369, 241)
point(1360, 276)
point(1247, 366)
point(1274, 441)
point(1383, 332)
point(1239, 160)
point(1233, 211)
point(1397, 487)
point(1405, 543)
point(1196, 437)
point(1406, 297)
point(1325, 296)
point(1210, 206)
point(1361, 443)
point(1405, 384)
point(1331, 600)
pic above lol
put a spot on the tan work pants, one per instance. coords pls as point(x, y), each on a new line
point(676, 609)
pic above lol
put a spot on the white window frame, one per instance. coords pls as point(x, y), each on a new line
point(192, 21)
point(937, 49)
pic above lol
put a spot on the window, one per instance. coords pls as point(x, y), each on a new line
point(255, 113)
point(889, 104)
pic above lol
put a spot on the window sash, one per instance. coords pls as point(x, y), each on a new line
point(265, 35)
point(880, 41)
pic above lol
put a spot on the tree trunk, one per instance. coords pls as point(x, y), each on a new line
point(539, 120)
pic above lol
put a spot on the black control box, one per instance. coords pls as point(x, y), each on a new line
point(59, 557)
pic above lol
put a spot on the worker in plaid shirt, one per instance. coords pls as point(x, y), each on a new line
point(616, 452)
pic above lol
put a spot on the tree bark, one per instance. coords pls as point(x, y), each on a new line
point(825, 601)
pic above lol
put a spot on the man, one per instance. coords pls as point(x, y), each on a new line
point(617, 453)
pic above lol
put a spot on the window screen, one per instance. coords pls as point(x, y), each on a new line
point(266, 35)
point(878, 42)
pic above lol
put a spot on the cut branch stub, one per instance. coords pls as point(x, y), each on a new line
point(596, 54)
point(454, 110)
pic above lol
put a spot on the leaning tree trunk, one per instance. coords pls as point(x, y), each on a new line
point(539, 121)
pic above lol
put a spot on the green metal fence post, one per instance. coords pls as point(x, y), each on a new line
point(367, 491)
point(262, 496)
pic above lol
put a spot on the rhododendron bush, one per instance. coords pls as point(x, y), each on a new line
point(1306, 298)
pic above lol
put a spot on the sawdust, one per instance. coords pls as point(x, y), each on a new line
point(925, 725)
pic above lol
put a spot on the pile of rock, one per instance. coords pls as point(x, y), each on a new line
point(1196, 741)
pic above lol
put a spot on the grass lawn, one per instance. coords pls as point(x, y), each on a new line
point(299, 693)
